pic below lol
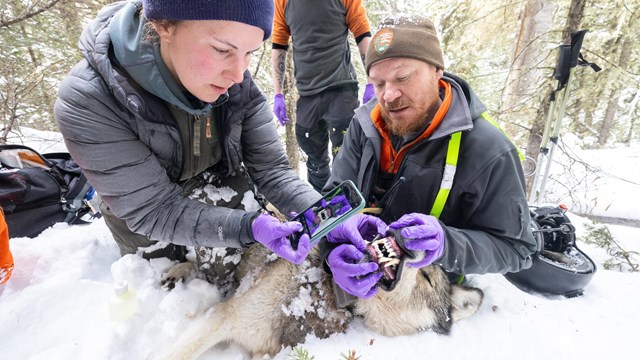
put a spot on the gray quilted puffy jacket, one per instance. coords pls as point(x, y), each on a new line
point(129, 145)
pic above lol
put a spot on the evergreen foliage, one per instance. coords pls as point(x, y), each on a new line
point(620, 259)
point(300, 353)
point(482, 41)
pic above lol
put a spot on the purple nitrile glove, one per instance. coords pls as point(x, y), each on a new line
point(357, 279)
point(368, 93)
point(344, 204)
point(422, 233)
point(272, 233)
point(355, 229)
point(280, 109)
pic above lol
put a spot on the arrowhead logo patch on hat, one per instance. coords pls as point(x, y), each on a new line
point(383, 40)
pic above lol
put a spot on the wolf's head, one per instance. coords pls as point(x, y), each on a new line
point(413, 299)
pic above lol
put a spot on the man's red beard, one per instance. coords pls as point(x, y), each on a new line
point(424, 114)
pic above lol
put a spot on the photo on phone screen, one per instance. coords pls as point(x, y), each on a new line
point(336, 206)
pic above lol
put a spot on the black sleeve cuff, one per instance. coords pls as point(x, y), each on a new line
point(325, 248)
point(280, 47)
point(359, 38)
point(246, 232)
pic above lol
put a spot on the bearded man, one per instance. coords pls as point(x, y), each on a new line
point(431, 164)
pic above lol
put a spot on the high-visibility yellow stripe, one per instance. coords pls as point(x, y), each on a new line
point(453, 151)
point(487, 117)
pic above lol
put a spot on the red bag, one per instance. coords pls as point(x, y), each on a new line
point(6, 259)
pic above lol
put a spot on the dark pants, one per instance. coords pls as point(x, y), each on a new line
point(215, 264)
point(320, 118)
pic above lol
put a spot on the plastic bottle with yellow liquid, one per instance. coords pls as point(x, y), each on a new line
point(123, 304)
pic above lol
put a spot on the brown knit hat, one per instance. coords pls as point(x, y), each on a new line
point(406, 36)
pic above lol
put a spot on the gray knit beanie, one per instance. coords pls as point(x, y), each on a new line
point(406, 36)
point(258, 13)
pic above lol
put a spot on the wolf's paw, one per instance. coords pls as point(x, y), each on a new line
point(177, 273)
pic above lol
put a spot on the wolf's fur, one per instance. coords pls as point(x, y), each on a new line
point(278, 303)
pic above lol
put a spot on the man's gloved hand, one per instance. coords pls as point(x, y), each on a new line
point(357, 279)
point(280, 109)
point(272, 233)
point(355, 229)
point(368, 93)
point(422, 233)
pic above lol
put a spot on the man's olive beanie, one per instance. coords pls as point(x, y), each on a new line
point(258, 13)
point(405, 37)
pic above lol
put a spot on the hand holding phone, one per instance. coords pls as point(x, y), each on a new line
point(274, 235)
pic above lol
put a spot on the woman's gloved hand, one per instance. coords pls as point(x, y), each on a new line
point(423, 233)
point(273, 234)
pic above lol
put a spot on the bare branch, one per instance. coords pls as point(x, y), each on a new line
point(30, 13)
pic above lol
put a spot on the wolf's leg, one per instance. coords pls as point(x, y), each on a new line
point(218, 265)
point(465, 301)
point(177, 273)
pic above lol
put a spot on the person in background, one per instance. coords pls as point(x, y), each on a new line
point(6, 258)
point(429, 160)
point(162, 104)
point(325, 77)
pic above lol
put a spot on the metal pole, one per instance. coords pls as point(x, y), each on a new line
point(568, 59)
point(543, 151)
point(556, 133)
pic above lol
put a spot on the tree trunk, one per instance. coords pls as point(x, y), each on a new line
point(609, 116)
point(632, 119)
point(574, 19)
point(528, 55)
point(612, 105)
point(263, 56)
point(291, 96)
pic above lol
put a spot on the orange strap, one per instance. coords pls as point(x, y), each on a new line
point(390, 159)
point(6, 259)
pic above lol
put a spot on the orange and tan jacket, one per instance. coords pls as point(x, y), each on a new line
point(319, 31)
point(6, 259)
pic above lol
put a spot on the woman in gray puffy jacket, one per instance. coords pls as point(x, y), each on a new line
point(162, 96)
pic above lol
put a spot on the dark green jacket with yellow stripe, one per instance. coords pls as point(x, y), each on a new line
point(486, 217)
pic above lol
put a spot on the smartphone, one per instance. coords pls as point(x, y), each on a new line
point(326, 215)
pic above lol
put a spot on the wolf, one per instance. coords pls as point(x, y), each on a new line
point(277, 303)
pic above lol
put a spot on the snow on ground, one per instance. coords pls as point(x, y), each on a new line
point(55, 306)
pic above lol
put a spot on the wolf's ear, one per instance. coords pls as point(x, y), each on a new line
point(465, 301)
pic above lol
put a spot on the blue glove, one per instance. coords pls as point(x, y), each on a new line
point(355, 229)
point(272, 233)
point(357, 279)
point(369, 93)
point(280, 109)
point(422, 233)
